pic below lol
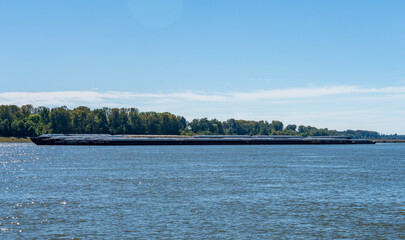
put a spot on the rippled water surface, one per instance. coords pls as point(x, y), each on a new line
point(216, 192)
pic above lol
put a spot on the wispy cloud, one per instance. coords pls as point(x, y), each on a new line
point(119, 97)
point(336, 107)
point(313, 92)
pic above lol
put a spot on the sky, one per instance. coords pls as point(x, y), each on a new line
point(329, 64)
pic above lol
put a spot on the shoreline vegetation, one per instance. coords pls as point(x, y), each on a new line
point(28, 140)
point(19, 123)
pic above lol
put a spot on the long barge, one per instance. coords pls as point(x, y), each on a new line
point(106, 139)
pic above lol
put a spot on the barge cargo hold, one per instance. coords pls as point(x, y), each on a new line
point(106, 139)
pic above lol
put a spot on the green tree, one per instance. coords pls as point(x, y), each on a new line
point(44, 114)
point(291, 127)
point(60, 121)
point(100, 123)
point(135, 123)
point(277, 125)
point(80, 120)
point(33, 126)
point(18, 128)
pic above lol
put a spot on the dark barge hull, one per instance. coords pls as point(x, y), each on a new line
point(90, 139)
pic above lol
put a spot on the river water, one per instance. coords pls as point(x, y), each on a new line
point(210, 192)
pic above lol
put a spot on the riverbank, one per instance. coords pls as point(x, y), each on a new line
point(14, 140)
point(27, 140)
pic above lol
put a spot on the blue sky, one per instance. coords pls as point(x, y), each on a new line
point(335, 64)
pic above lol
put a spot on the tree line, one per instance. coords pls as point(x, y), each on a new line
point(33, 121)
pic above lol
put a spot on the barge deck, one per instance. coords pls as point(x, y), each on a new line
point(106, 139)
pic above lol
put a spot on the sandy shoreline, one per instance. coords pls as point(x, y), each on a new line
point(14, 140)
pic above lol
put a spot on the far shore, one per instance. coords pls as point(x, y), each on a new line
point(14, 140)
point(28, 140)
point(388, 140)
